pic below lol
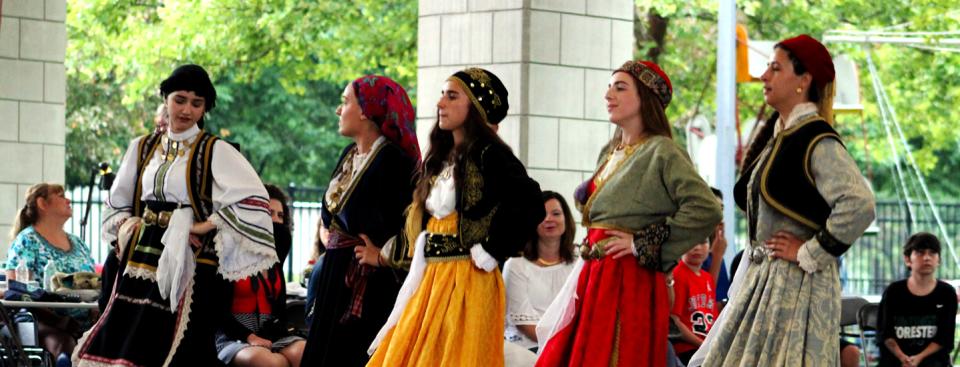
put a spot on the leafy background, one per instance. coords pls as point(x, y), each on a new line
point(279, 66)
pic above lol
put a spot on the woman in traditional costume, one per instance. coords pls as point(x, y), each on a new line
point(473, 206)
point(362, 212)
point(643, 208)
point(186, 211)
point(806, 203)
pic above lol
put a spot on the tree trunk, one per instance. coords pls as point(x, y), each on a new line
point(656, 31)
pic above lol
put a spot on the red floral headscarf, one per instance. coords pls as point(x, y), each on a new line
point(386, 103)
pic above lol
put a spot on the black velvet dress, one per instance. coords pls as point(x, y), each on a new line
point(353, 301)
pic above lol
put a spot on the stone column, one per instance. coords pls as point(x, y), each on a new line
point(33, 42)
point(555, 57)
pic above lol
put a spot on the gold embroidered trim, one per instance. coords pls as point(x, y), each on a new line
point(476, 103)
point(473, 185)
point(615, 353)
point(444, 245)
point(806, 157)
point(479, 75)
point(628, 155)
point(768, 164)
point(207, 262)
point(475, 231)
point(356, 178)
point(440, 259)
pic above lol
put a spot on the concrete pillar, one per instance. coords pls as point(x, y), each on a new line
point(555, 57)
point(33, 42)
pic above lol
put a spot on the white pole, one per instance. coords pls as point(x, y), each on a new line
point(726, 118)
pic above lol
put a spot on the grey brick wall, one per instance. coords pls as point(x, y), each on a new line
point(33, 42)
point(555, 57)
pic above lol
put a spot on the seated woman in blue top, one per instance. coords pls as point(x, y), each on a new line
point(38, 238)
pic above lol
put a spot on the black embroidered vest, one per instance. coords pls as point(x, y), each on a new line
point(199, 177)
point(785, 181)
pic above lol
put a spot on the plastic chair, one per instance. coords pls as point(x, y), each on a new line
point(867, 318)
point(849, 310)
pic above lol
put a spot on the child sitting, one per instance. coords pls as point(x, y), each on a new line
point(695, 306)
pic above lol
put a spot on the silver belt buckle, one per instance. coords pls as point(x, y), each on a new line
point(757, 254)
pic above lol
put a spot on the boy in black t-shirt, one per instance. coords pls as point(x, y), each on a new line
point(916, 322)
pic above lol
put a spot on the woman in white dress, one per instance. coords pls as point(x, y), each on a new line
point(533, 280)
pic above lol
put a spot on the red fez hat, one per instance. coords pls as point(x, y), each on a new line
point(813, 56)
point(651, 76)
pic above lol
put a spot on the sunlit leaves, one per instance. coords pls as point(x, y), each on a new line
point(923, 86)
point(279, 66)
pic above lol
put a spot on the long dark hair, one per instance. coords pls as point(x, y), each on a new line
point(652, 115)
point(476, 132)
point(530, 252)
point(29, 214)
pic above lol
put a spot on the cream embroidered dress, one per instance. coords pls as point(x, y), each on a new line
point(784, 313)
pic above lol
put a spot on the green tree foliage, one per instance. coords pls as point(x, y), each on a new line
point(279, 66)
point(923, 85)
point(288, 138)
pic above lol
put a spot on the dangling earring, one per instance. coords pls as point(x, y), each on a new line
point(799, 90)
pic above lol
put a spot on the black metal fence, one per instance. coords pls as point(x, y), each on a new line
point(305, 215)
point(874, 261)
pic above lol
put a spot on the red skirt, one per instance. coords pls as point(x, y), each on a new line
point(621, 317)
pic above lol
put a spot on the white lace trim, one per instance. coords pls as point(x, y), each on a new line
point(182, 325)
point(239, 256)
point(140, 273)
point(523, 319)
point(806, 260)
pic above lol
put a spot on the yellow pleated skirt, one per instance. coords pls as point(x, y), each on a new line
point(455, 318)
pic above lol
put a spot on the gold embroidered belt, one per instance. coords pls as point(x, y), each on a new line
point(445, 245)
